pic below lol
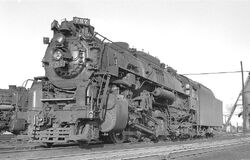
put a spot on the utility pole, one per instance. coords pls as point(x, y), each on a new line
point(243, 100)
point(233, 109)
point(225, 118)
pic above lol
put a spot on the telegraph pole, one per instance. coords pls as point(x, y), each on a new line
point(244, 116)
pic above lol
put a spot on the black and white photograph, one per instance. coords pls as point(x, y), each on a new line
point(125, 79)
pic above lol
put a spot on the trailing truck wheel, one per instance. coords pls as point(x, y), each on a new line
point(117, 137)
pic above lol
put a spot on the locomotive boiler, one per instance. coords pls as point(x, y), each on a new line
point(97, 89)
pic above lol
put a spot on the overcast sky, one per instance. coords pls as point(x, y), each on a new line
point(191, 36)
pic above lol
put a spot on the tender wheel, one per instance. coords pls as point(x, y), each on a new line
point(83, 144)
point(117, 137)
point(49, 144)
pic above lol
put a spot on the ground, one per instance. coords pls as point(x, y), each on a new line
point(239, 152)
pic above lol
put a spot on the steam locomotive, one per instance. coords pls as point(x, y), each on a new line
point(13, 109)
point(96, 89)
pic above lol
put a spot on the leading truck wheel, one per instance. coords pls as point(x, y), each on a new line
point(117, 137)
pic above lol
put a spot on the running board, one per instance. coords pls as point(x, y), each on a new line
point(58, 99)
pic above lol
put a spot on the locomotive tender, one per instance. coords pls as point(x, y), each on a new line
point(13, 109)
point(97, 89)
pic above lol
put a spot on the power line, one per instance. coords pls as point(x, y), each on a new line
point(213, 73)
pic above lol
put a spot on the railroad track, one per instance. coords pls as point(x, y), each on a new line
point(32, 148)
point(204, 148)
point(6, 137)
point(159, 152)
point(21, 143)
point(15, 146)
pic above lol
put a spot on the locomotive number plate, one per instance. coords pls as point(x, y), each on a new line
point(57, 64)
point(83, 21)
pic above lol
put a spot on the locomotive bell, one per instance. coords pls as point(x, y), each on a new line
point(64, 26)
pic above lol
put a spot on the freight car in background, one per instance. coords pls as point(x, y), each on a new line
point(98, 89)
point(13, 109)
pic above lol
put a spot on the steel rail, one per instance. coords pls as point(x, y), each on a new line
point(32, 149)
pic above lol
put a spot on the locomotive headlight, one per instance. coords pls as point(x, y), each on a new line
point(60, 39)
point(57, 55)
